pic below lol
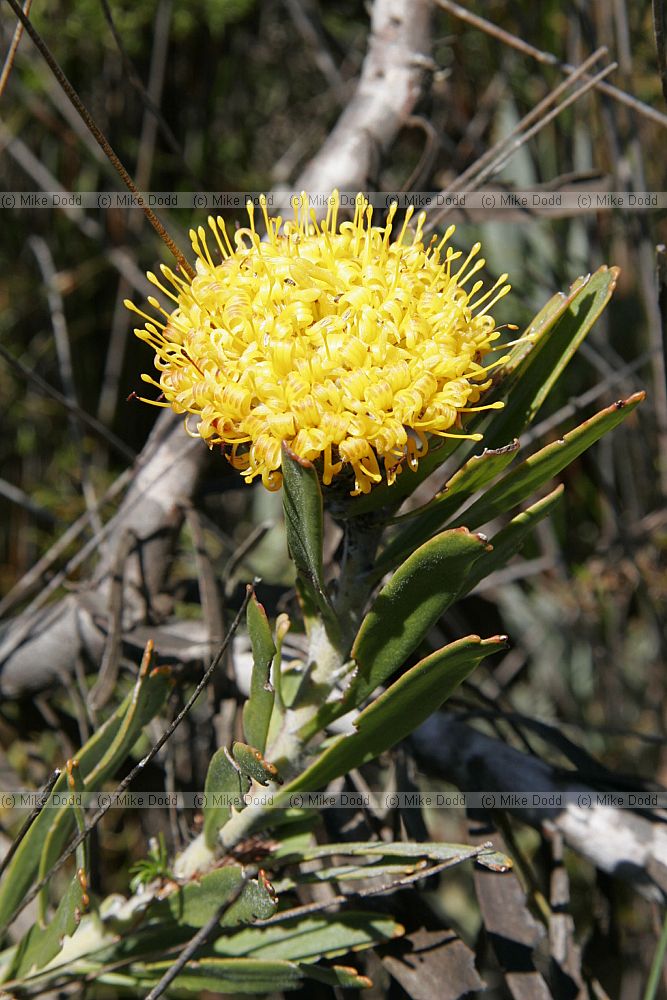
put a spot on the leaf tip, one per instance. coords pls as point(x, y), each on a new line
point(633, 400)
point(303, 462)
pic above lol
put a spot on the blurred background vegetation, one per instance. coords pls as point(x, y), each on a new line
point(247, 93)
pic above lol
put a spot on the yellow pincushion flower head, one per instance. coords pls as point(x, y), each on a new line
point(352, 347)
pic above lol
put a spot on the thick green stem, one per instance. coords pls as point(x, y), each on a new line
point(328, 653)
point(360, 542)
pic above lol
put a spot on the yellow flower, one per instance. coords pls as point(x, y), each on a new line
point(351, 346)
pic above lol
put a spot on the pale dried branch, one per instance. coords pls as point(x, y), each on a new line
point(621, 842)
point(388, 89)
point(40, 647)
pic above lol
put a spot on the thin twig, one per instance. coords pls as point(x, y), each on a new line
point(99, 137)
point(200, 938)
point(18, 496)
point(574, 406)
point(315, 45)
point(21, 631)
point(658, 357)
point(44, 793)
point(134, 79)
point(538, 126)
point(534, 115)
point(138, 768)
point(115, 353)
point(91, 228)
point(499, 154)
point(44, 259)
point(33, 577)
point(402, 883)
point(429, 153)
point(13, 49)
point(91, 422)
point(549, 59)
point(240, 553)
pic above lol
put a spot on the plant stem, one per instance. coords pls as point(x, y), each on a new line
point(325, 664)
point(657, 965)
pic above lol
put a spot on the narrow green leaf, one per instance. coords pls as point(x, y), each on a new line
point(45, 939)
point(408, 605)
point(423, 523)
point(397, 711)
point(228, 975)
point(325, 935)
point(147, 698)
point(495, 861)
point(510, 539)
point(539, 327)
point(225, 787)
point(304, 518)
point(546, 463)
point(242, 975)
point(528, 378)
point(390, 863)
point(347, 873)
point(432, 850)
point(70, 800)
point(257, 709)
point(252, 763)
point(98, 759)
point(345, 976)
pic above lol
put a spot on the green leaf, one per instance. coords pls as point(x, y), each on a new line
point(257, 710)
point(304, 520)
point(339, 975)
point(495, 861)
point(387, 860)
point(45, 939)
point(326, 935)
point(252, 763)
point(196, 903)
point(433, 850)
point(546, 463)
point(397, 711)
point(408, 605)
point(528, 378)
point(51, 849)
point(228, 975)
point(225, 787)
point(423, 523)
point(510, 539)
point(348, 873)
point(257, 901)
point(98, 759)
point(296, 836)
point(243, 975)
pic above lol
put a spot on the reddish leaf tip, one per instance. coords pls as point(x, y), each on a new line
point(303, 462)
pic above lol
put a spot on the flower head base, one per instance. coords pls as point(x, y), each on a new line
point(352, 347)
